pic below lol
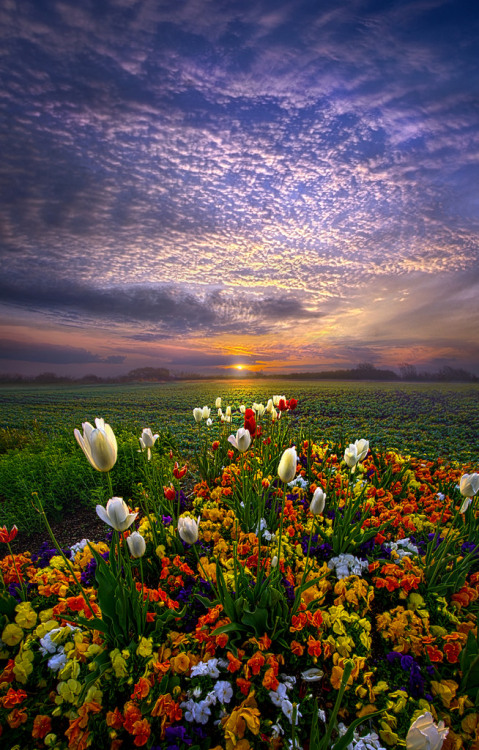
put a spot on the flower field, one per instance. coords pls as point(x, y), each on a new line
point(294, 592)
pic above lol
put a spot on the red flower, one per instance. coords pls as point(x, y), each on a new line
point(250, 422)
point(292, 404)
point(282, 406)
point(170, 493)
point(215, 445)
point(7, 536)
point(179, 473)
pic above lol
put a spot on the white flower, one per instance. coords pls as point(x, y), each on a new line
point(242, 440)
point(362, 449)
point(58, 661)
point(424, 734)
point(116, 514)
point(136, 544)
point(198, 414)
point(312, 675)
point(209, 422)
point(469, 485)
point(206, 412)
point(147, 441)
point(218, 403)
point(288, 709)
point(98, 444)
point(318, 502)
point(279, 695)
point(228, 411)
point(188, 529)
point(465, 505)
point(346, 565)
point(242, 408)
point(223, 691)
point(287, 465)
point(351, 456)
point(269, 406)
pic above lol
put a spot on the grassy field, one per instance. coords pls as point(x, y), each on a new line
point(425, 420)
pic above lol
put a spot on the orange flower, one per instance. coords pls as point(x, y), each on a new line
point(256, 662)
point(434, 653)
point(7, 536)
point(269, 680)
point(16, 717)
point(141, 730)
point(141, 689)
point(13, 698)
point(234, 663)
point(297, 648)
point(115, 719)
point(41, 726)
point(244, 685)
point(314, 646)
point(452, 651)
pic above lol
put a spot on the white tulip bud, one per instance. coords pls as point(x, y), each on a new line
point(274, 561)
point(469, 485)
point(242, 408)
point(362, 448)
point(228, 411)
point(287, 465)
point(136, 544)
point(424, 734)
point(218, 403)
point(269, 406)
point(188, 529)
point(206, 412)
point(198, 414)
point(98, 444)
point(209, 422)
point(351, 456)
point(318, 502)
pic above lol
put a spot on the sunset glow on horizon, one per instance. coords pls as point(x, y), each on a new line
point(239, 188)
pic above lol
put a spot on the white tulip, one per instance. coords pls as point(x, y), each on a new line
point(116, 514)
point(241, 441)
point(287, 465)
point(465, 504)
point(312, 675)
point(269, 406)
point(218, 403)
point(362, 448)
point(242, 408)
point(424, 734)
point(351, 455)
point(469, 485)
point(259, 410)
point(206, 412)
point(198, 414)
point(209, 422)
point(147, 441)
point(228, 411)
point(274, 561)
point(136, 544)
point(318, 502)
point(188, 529)
point(274, 414)
point(220, 413)
point(98, 444)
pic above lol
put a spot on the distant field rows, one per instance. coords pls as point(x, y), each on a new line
point(427, 420)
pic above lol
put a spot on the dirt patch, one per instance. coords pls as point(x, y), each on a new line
point(83, 524)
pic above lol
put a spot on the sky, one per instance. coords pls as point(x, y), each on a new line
point(207, 185)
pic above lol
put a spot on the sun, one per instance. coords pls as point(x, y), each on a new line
point(239, 367)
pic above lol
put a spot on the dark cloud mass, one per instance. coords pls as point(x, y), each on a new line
point(222, 169)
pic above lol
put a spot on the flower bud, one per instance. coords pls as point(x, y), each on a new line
point(318, 502)
point(98, 444)
point(116, 514)
point(287, 465)
point(198, 414)
point(362, 449)
point(218, 403)
point(424, 734)
point(136, 544)
point(242, 408)
point(351, 456)
point(206, 412)
point(241, 441)
point(469, 485)
point(188, 529)
point(274, 561)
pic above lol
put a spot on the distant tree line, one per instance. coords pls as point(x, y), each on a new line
point(363, 371)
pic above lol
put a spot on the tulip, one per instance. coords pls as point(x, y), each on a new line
point(147, 441)
point(269, 406)
point(209, 422)
point(259, 409)
point(218, 403)
point(116, 514)
point(312, 675)
point(287, 465)
point(198, 414)
point(362, 448)
point(424, 734)
point(98, 444)
point(469, 485)
point(136, 544)
point(8, 536)
point(318, 502)
point(274, 561)
point(242, 408)
point(228, 411)
point(188, 529)
point(242, 440)
point(274, 414)
point(206, 412)
point(220, 413)
point(351, 456)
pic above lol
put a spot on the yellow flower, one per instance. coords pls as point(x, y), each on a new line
point(145, 647)
point(446, 690)
point(160, 551)
point(26, 617)
point(118, 663)
point(12, 634)
point(245, 716)
point(387, 734)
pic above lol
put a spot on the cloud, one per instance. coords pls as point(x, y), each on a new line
point(54, 354)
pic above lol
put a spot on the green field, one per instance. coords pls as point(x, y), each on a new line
point(425, 420)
